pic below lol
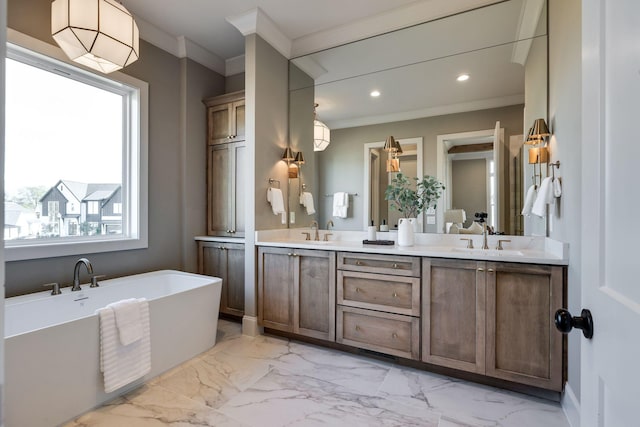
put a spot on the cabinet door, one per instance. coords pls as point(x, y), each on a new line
point(238, 121)
point(219, 123)
point(218, 190)
point(275, 288)
point(453, 314)
point(234, 280)
point(314, 294)
point(522, 342)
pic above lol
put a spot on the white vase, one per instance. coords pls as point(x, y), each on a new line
point(405, 231)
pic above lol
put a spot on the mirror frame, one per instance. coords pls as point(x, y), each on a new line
point(419, 142)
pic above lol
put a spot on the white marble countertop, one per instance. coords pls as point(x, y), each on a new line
point(522, 249)
point(219, 239)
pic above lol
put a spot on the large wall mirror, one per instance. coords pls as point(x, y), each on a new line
point(471, 131)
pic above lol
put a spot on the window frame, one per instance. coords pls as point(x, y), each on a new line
point(135, 161)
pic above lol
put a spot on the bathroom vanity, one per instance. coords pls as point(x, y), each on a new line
point(433, 305)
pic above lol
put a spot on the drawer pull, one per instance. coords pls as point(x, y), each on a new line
point(358, 328)
point(480, 269)
point(357, 290)
point(395, 295)
point(358, 262)
point(394, 335)
point(395, 265)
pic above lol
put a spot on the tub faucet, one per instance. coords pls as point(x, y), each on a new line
point(76, 272)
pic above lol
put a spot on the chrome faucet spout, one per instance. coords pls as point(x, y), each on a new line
point(76, 272)
point(484, 236)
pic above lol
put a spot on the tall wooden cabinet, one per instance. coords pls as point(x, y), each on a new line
point(296, 291)
point(225, 260)
point(226, 151)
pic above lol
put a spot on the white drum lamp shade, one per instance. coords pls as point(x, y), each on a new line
point(100, 34)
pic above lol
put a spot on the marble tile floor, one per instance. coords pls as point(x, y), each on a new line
point(272, 382)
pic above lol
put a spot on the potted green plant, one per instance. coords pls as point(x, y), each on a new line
point(411, 198)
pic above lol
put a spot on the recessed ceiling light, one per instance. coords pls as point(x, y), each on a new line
point(375, 93)
point(463, 77)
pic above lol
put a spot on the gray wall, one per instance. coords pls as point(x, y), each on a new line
point(168, 157)
point(341, 164)
point(234, 83)
point(565, 123)
point(197, 82)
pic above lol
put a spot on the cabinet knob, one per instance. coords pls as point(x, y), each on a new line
point(221, 247)
point(490, 270)
point(357, 290)
point(358, 262)
point(289, 254)
point(295, 255)
point(394, 335)
point(358, 328)
point(395, 265)
point(480, 269)
point(395, 295)
point(228, 231)
point(565, 322)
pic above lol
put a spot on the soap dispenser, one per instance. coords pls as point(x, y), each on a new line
point(384, 226)
point(372, 232)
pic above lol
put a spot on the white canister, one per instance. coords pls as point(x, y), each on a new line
point(371, 233)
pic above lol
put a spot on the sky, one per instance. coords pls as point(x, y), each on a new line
point(51, 135)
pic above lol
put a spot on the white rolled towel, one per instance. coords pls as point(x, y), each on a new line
point(545, 197)
point(528, 200)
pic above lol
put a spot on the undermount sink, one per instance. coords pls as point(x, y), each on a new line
point(491, 252)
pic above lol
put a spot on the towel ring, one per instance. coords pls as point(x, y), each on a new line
point(553, 169)
point(271, 181)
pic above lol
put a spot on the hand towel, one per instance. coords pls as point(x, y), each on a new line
point(274, 196)
point(306, 199)
point(340, 204)
point(528, 200)
point(122, 364)
point(545, 196)
point(128, 320)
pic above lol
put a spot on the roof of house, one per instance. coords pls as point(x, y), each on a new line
point(12, 213)
point(87, 192)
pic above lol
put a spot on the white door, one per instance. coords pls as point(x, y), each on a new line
point(610, 370)
point(496, 185)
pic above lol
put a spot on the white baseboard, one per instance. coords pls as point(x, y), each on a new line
point(571, 406)
point(250, 326)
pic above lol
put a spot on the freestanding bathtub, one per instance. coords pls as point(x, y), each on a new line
point(52, 370)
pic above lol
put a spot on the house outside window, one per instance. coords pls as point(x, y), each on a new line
point(90, 143)
point(117, 208)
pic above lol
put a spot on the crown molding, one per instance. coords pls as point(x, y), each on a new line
point(428, 112)
point(234, 65)
point(527, 26)
point(255, 21)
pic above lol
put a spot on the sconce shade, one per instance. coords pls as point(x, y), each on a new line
point(100, 34)
point(392, 146)
point(538, 132)
point(288, 156)
point(538, 155)
point(299, 158)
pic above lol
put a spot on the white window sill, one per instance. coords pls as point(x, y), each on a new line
point(26, 251)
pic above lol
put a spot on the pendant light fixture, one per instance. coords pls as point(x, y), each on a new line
point(100, 34)
point(321, 133)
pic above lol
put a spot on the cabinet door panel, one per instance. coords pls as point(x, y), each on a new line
point(275, 288)
point(239, 116)
point(235, 279)
point(218, 193)
point(315, 294)
point(522, 343)
point(219, 124)
point(454, 314)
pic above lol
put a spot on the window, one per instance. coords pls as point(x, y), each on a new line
point(93, 208)
point(117, 208)
point(73, 137)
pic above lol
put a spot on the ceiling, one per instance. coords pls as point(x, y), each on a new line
point(308, 25)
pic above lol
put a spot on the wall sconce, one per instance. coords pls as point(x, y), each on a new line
point(299, 160)
point(100, 34)
point(288, 156)
point(321, 133)
point(393, 148)
point(538, 155)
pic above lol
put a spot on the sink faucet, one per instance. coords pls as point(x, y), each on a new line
point(329, 224)
point(314, 223)
point(76, 272)
point(484, 236)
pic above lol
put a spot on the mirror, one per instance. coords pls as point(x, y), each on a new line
point(503, 49)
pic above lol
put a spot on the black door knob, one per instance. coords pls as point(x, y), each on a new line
point(565, 322)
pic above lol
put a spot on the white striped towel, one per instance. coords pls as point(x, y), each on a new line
point(122, 364)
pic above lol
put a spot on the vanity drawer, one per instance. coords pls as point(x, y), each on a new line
point(396, 294)
point(385, 264)
point(388, 333)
